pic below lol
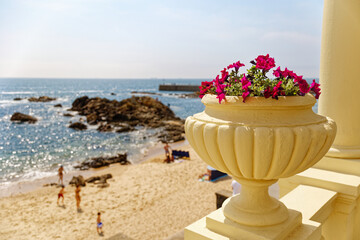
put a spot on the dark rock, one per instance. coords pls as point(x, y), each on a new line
point(17, 99)
point(78, 126)
point(58, 105)
point(105, 128)
point(113, 94)
point(189, 95)
point(125, 115)
point(68, 115)
point(20, 117)
point(106, 176)
point(174, 132)
point(103, 185)
point(79, 103)
point(41, 99)
point(98, 162)
point(126, 128)
point(93, 118)
point(79, 180)
point(92, 179)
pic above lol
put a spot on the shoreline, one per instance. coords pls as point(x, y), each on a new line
point(151, 200)
point(25, 186)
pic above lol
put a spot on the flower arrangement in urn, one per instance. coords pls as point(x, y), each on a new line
point(257, 140)
point(256, 83)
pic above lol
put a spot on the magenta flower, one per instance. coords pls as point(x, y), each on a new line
point(256, 83)
point(236, 65)
point(276, 90)
point(286, 73)
point(220, 91)
point(205, 86)
point(224, 75)
point(265, 62)
point(303, 85)
point(277, 73)
point(245, 95)
point(245, 85)
point(315, 88)
point(291, 74)
point(267, 92)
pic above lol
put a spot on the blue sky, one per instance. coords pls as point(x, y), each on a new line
point(164, 39)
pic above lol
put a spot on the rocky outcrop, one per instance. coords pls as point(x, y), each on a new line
point(173, 132)
point(100, 181)
point(123, 116)
point(98, 162)
point(68, 115)
point(20, 117)
point(58, 105)
point(41, 99)
point(17, 99)
point(79, 180)
point(78, 126)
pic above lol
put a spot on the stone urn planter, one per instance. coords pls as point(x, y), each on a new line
point(257, 143)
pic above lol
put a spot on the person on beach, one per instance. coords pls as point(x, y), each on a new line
point(61, 174)
point(77, 196)
point(99, 224)
point(61, 194)
point(167, 150)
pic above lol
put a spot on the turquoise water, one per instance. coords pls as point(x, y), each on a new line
point(29, 151)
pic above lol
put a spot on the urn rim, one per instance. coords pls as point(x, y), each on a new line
point(306, 101)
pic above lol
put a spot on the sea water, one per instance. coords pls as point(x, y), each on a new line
point(31, 151)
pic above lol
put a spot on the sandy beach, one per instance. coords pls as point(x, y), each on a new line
point(151, 200)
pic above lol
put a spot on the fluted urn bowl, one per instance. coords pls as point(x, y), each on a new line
point(258, 142)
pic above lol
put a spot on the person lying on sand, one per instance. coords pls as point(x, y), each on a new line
point(99, 224)
point(61, 194)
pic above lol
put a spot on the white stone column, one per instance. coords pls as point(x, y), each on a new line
point(340, 83)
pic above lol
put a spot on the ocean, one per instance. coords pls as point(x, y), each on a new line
point(33, 151)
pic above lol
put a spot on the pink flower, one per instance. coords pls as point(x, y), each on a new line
point(236, 65)
point(286, 73)
point(265, 62)
point(245, 94)
point(315, 88)
point(205, 87)
point(291, 74)
point(267, 92)
point(224, 75)
point(245, 85)
point(220, 91)
point(277, 73)
point(303, 85)
point(276, 90)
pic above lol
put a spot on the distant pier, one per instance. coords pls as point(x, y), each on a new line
point(178, 87)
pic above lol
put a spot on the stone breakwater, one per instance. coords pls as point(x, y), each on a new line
point(124, 116)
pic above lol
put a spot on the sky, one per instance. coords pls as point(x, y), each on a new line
point(155, 39)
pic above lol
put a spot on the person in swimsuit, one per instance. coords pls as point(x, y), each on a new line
point(99, 224)
point(167, 152)
point(61, 174)
point(77, 196)
point(61, 194)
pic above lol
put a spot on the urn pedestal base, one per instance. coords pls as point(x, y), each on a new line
point(254, 206)
point(217, 226)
